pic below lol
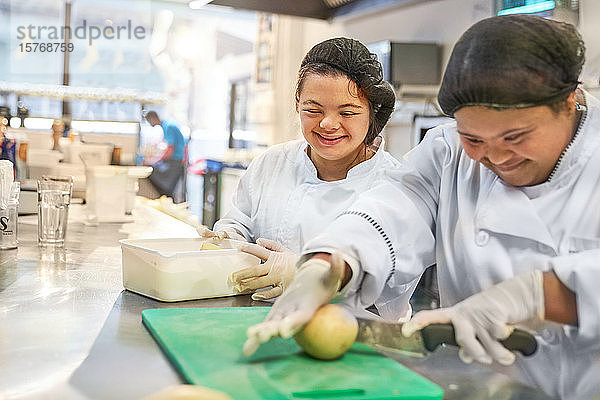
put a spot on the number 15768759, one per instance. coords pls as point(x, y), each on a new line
point(46, 47)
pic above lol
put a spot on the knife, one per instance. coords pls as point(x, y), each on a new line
point(387, 336)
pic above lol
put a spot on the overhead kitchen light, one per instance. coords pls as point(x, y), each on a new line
point(198, 4)
point(105, 127)
point(38, 123)
point(15, 122)
point(530, 6)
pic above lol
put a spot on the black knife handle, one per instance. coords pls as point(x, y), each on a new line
point(437, 334)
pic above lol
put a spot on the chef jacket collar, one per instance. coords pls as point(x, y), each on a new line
point(577, 153)
point(358, 170)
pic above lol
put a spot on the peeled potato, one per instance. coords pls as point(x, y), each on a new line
point(210, 246)
point(188, 392)
point(329, 334)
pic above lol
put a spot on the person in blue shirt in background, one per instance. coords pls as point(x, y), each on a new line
point(169, 166)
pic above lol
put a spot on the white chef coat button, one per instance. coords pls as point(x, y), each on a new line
point(482, 238)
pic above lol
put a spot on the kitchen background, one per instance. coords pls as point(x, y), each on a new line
point(226, 75)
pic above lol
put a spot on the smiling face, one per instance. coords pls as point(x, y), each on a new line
point(521, 146)
point(334, 116)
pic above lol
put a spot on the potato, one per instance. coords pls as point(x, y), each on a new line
point(329, 334)
point(188, 392)
point(210, 246)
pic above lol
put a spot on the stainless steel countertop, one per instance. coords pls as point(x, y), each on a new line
point(68, 330)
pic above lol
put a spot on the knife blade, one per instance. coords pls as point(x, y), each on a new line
point(387, 336)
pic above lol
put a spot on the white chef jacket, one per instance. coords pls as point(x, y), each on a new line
point(281, 198)
point(443, 207)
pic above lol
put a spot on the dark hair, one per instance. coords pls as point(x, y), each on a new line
point(348, 57)
point(151, 114)
point(513, 61)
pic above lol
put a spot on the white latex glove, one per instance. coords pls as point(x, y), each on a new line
point(316, 282)
point(225, 233)
point(483, 319)
point(277, 270)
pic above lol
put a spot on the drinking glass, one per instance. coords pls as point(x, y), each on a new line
point(54, 197)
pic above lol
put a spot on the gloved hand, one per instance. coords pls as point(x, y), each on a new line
point(316, 282)
point(225, 233)
point(483, 319)
point(277, 270)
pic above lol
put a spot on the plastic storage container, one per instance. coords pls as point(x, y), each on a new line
point(41, 162)
point(134, 173)
point(111, 190)
point(176, 269)
point(106, 193)
point(100, 151)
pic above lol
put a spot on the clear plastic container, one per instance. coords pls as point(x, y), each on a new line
point(176, 269)
point(8, 219)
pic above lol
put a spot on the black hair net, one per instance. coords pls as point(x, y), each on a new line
point(353, 59)
point(512, 61)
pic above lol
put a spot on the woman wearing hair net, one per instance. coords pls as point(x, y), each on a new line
point(294, 190)
point(505, 200)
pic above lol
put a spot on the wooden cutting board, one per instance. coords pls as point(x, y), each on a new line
point(205, 346)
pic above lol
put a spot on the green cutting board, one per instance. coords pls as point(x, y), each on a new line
point(205, 345)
